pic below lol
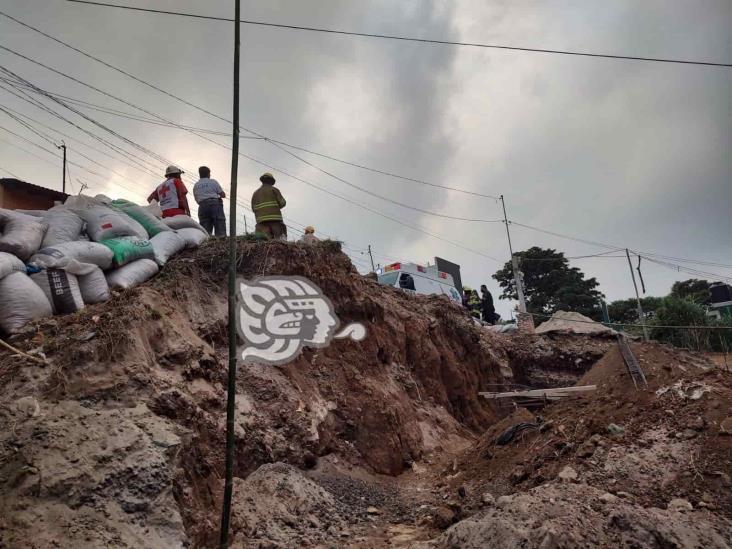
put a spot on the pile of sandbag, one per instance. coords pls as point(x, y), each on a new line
point(59, 260)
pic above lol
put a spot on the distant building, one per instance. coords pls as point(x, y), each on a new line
point(721, 302)
point(20, 195)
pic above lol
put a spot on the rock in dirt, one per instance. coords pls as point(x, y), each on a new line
point(586, 449)
point(373, 511)
point(443, 517)
point(503, 501)
point(488, 500)
point(725, 427)
point(615, 430)
point(680, 505)
point(568, 474)
point(607, 497)
point(686, 434)
point(27, 406)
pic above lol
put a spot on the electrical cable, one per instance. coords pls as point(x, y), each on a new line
point(593, 243)
point(132, 157)
point(380, 197)
point(153, 155)
point(696, 272)
point(255, 134)
point(404, 38)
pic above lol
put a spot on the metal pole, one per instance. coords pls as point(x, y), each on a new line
point(63, 177)
point(637, 297)
point(231, 396)
point(514, 263)
point(373, 269)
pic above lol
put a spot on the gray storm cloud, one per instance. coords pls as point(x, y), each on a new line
point(631, 153)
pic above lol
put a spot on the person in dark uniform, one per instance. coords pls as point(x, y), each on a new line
point(486, 305)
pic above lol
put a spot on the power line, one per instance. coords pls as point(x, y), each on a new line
point(688, 270)
point(156, 156)
point(582, 240)
point(82, 143)
point(382, 172)
point(380, 197)
point(255, 134)
point(280, 147)
point(684, 260)
point(9, 172)
point(613, 248)
point(406, 38)
point(119, 150)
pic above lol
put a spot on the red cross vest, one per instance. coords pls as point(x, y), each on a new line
point(168, 195)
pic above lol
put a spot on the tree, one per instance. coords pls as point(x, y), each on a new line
point(694, 289)
point(550, 284)
point(626, 310)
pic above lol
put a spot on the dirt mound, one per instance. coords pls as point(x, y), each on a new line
point(118, 440)
point(382, 404)
point(577, 515)
point(648, 446)
point(277, 503)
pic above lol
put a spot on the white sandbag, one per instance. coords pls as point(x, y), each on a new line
point(63, 226)
point(132, 274)
point(21, 234)
point(166, 245)
point(94, 287)
point(61, 289)
point(21, 300)
point(152, 224)
point(192, 237)
point(182, 222)
point(102, 221)
point(10, 264)
point(32, 213)
point(154, 209)
point(75, 257)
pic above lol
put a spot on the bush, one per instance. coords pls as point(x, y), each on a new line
point(675, 311)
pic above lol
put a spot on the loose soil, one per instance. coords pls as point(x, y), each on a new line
point(118, 441)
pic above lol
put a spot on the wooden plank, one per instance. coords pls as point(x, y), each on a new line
point(557, 392)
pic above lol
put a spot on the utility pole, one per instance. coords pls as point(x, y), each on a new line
point(231, 391)
point(63, 177)
point(514, 264)
point(373, 269)
point(637, 297)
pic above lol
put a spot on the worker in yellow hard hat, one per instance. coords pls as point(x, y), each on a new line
point(309, 236)
point(267, 204)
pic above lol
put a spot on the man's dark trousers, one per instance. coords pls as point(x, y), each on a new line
point(211, 216)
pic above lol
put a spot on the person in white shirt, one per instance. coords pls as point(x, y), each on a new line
point(209, 196)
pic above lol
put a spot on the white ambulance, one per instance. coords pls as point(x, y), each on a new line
point(417, 279)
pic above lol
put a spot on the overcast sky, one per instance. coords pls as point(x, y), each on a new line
point(629, 153)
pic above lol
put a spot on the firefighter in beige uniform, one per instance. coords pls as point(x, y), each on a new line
point(267, 204)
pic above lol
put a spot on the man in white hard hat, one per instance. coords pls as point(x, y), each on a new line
point(171, 194)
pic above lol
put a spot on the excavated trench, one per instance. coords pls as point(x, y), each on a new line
point(556, 361)
point(379, 405)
